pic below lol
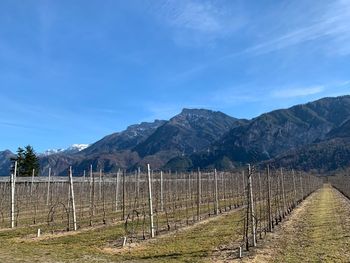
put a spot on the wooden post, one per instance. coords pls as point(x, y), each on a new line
point(103, 199)
point(294, 189)
point(269, 209)
point(13, 186)
point(117, 190)
point(100, 186)
point(244, 187)
point(92, 195)
point(48, 187)
point(251, 205)
point(301, 187)
point(223, 181)
point(31, 193)
point(72, 198)
point(138, 182)
point(240, 252)
point(199, 193)
point(161, 192)
point(32, 183)
point(260, 206)
point(283, 194)
point(149, 181)
point(123, 195)
point(216, 207)
point(278, 197)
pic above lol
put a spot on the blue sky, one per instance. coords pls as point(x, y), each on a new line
point(75, 71)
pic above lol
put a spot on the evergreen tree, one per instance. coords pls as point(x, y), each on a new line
point(27, 161)
point(20, 160)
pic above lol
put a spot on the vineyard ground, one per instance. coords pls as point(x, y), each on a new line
point(190, 244)
point(317, 231)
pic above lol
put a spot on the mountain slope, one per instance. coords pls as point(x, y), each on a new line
point(124, 140)
point(74, 148)
point(343, 131)
point(329, 154)
point(5, 162)
point(308, 136)
point(190, 131)
point(108, 153)
point(273, 133)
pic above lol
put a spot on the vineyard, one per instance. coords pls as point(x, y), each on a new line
point(342, 183)
point(149, 203)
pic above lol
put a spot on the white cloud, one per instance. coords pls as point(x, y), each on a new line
point(198, 22)
point(328, 28)
point(202, 17)
point(331, 27)
point(297, 92)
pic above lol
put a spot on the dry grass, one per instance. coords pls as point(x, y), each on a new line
point(191, 244)
point(318, 231)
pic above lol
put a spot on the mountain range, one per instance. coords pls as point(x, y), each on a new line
point(74, 148)
point(311, 136)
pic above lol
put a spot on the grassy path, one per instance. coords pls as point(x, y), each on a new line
point(318, 231)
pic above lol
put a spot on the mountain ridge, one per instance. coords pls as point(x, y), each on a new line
point(204, 138)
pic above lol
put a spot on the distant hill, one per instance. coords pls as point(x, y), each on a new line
point(110, 152)
point(343, 131)
point(5, 162)
point(285, 131)
point(125, 140)
point(314, 135)
point(155, 143)
point(325, 155)
point(193, 130)
point(75, 148)
point(272, 133)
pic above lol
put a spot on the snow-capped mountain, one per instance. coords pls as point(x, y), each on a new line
point(52, 151)
point(77, 147)
point(74, 148)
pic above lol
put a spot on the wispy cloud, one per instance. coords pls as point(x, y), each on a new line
point(331, 24)
point(297, 92)
point(228, 97)
point(198, 22)
point(202, 17)
point(328, 29)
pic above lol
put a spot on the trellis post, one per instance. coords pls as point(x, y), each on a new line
point(216, 192)
point(251, 205)
point(13, 186)
point(149, 181)
point(48, 187)
point(72, 198)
